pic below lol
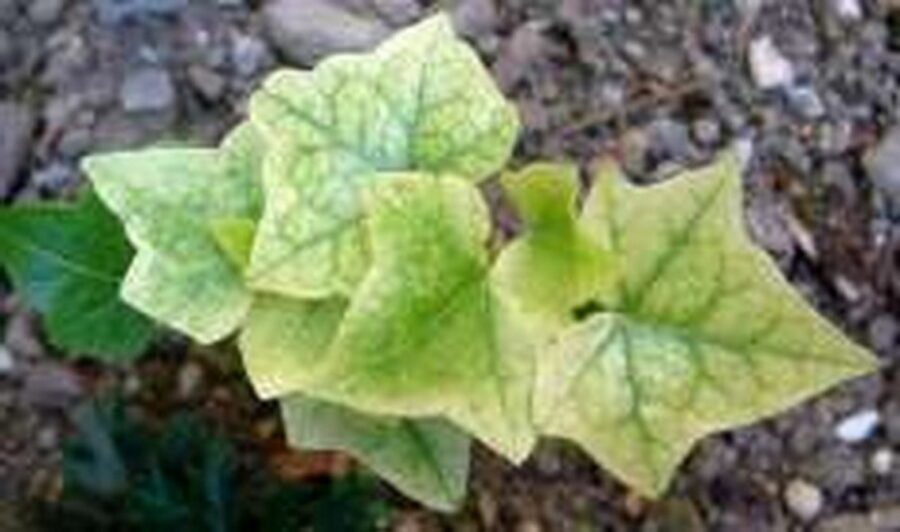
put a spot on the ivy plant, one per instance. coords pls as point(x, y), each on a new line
point(341, 234)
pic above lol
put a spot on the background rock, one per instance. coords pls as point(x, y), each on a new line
point(16, 123)
point(147, 89)
point(308, 30)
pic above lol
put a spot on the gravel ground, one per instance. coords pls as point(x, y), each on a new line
point(807, 89)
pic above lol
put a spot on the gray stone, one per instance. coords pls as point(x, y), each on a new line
point(475, 18)
point(51, 386)
point(398, 12)
point(884, 165)
point(706, 131)
point(55, 177)
point(803, 499)
point(886, 518)
point(16, 123)
point(835, 138)
point(209, 83)
point(76, 141)
point(7, 363)
point(839, 467)
point(147, 89)
point(45, 12)
point(305, 31)
point(847, 523)
point(883, 333)
point(118, 11)
point(47, 438)
point(248, 54)
point(7, 47)
point(7, 10)
point(21, 338)
point(670, 141)
point(519, 53)
point(805, 101)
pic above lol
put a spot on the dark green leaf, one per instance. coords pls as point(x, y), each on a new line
point(68, 262)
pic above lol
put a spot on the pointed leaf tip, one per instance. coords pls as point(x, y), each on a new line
point(700, 332)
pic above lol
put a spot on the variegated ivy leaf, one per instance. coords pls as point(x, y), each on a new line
point(175, 204)
point(421, 101)
point(555, 267)
point(285, 340)
point(427, 460)
point(426, 334)
point(700, 332)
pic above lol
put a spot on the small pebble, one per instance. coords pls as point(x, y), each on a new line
point(6, 361)
point(248, 54)
point(45, 12)
point(769, 67)
point(75, 141)
point(847, 523)
point(529, 526)
point(883, 164)
point(803, 499)
point(805, 101)
point(118, 11)
point(743, 147)
point(55, 177)
point(882, 461)
point(706, 132)
point(398, 12)
point(208, 83)
point(190, 377)
point(147, 89)
point(132, 385)
point(857, 427)
point(7, 47)
point(51, 386)
point(847, 9)
point(884, 331)
point(47, 438)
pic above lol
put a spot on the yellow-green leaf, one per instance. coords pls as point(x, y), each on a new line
point(427, 460)
point(420, 101)
point(555, 266)
point(168, 201)
point(700, 332)
point(427, 333)
point(284, 341)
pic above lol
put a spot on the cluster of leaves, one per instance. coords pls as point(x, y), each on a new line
point(341, 231)
point(118, 475)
